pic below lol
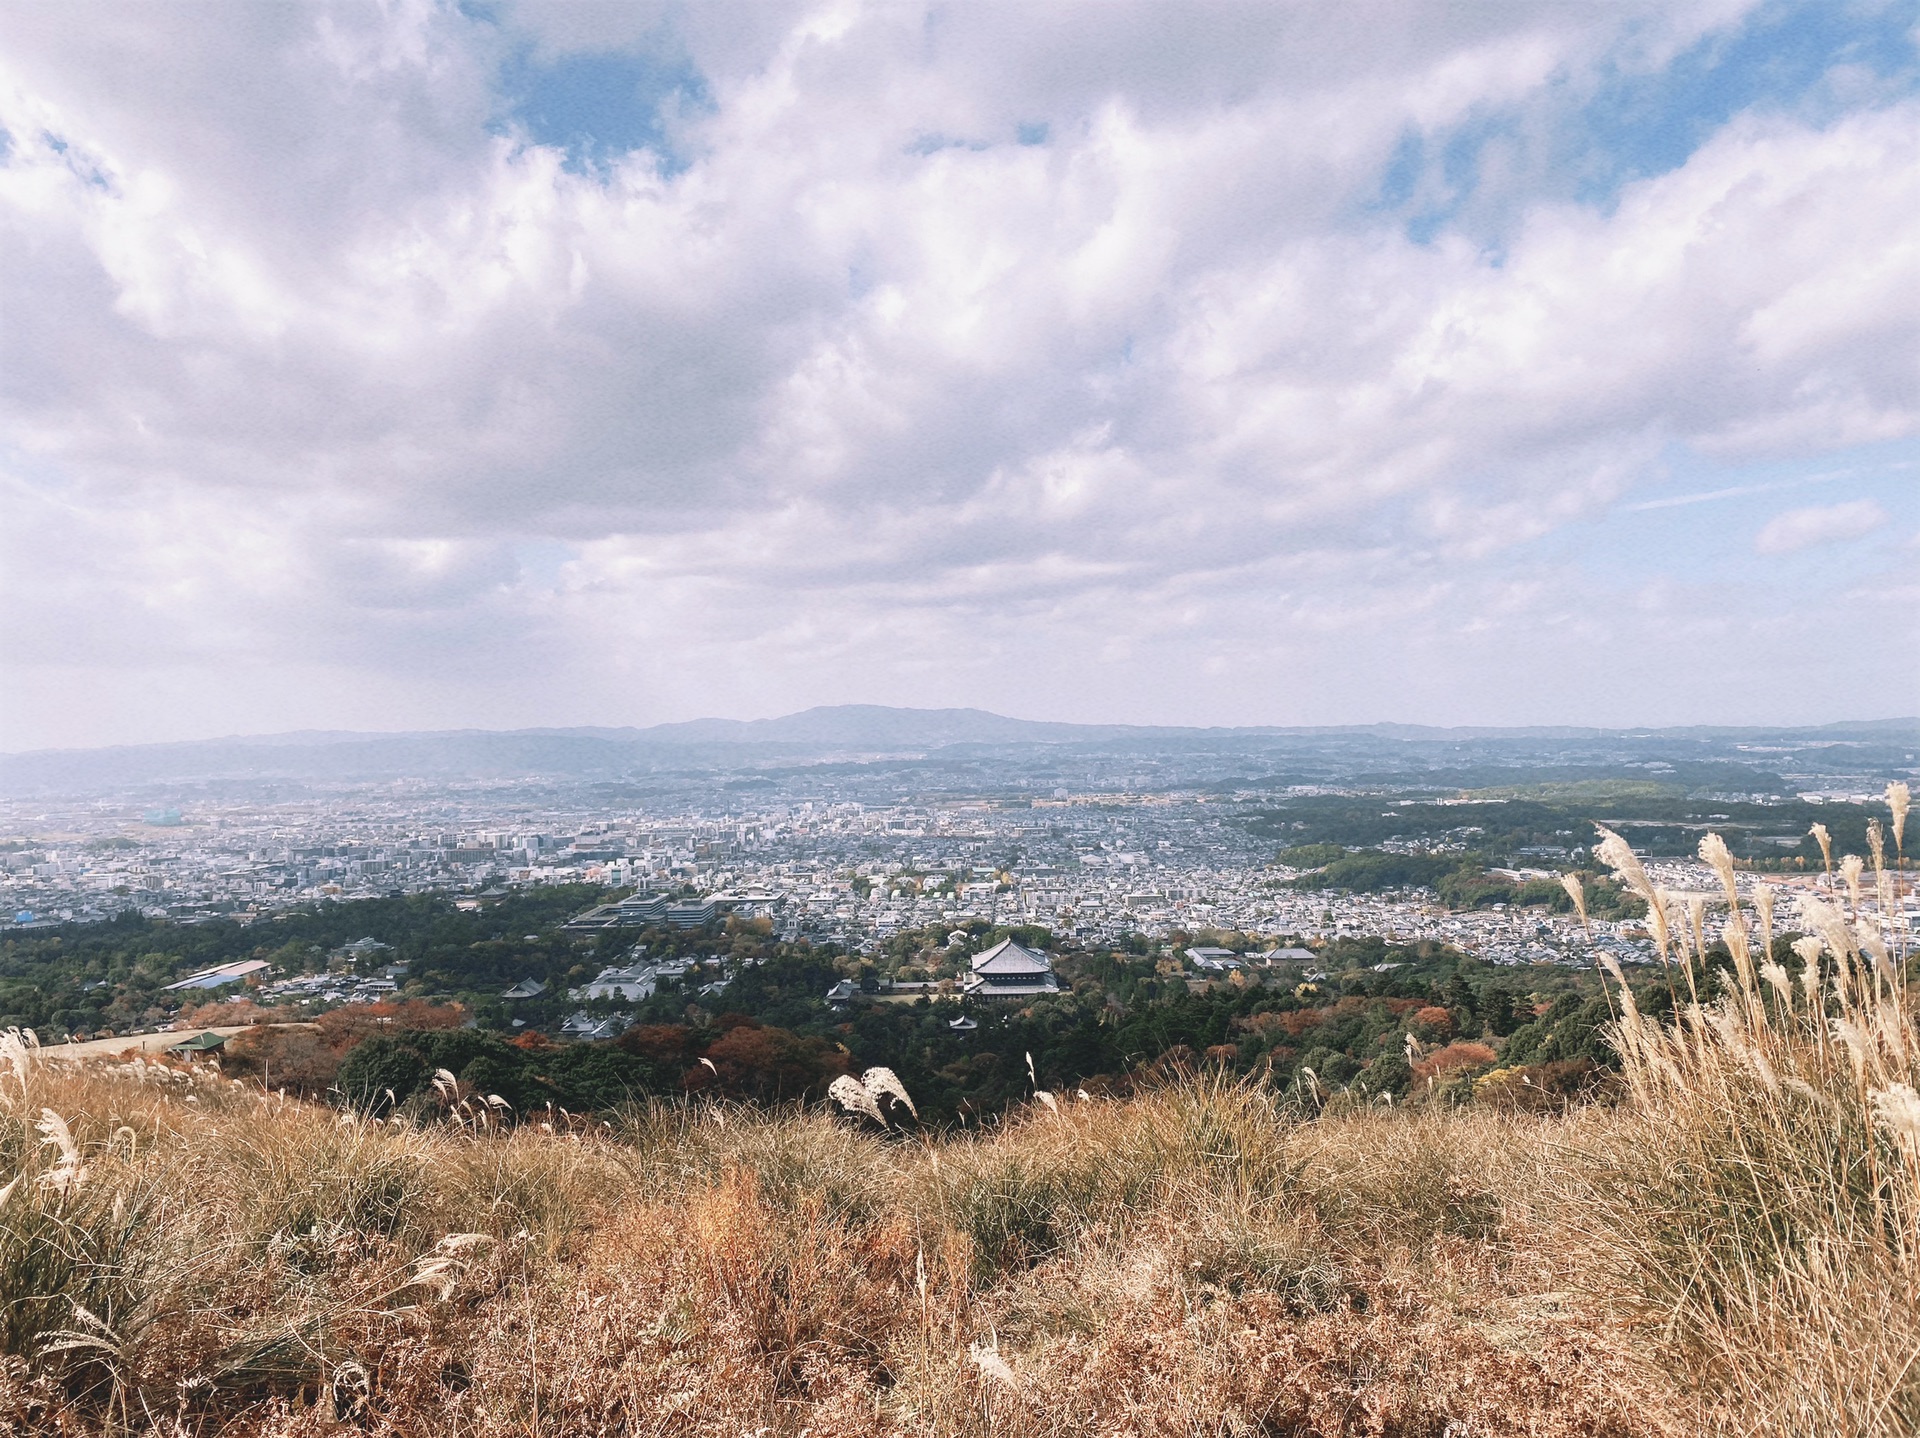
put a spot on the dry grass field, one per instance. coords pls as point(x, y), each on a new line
point(1733, 1247)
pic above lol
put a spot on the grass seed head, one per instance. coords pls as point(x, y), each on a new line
point(1897, 1110)
point(1873, 946)
point(1825, 841)
point(878, 1081)
point(1578, 893)
point(1823, 919)
point(1858, 1044)
point(1851, 868)
point(55, 1134)
point(1617, 854)
point(18, 1049)
point(1657, 923)
point(1777, 978)
point(854, 1097)
point(1810, 975)
point(1734, 934)
point(68, 1172)
point(1715, 854)
point(992, 1365)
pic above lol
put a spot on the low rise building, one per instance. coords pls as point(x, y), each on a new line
point(634, 982)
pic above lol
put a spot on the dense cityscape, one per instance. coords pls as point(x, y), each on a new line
point(836, 872)
point(1220, 877)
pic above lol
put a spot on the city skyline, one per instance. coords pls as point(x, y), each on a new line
point(441, 367)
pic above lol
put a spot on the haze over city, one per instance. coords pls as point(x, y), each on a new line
point(429, 366)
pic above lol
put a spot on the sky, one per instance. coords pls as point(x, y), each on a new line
point(406, 365)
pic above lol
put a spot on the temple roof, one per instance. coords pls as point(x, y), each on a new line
point(1007, 959)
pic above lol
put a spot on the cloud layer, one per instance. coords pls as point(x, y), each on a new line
point(1797, 529)
point(385, 366)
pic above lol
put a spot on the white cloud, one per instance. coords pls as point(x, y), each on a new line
point(1795, 529)
point(308, 355)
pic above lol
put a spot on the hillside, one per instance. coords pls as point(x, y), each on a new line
point(1726, 1246)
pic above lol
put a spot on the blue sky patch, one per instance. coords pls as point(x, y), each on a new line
point(1796, 58)
point(601, 106)
point(934, 143)
point(1569, 141)
point(1699, 518)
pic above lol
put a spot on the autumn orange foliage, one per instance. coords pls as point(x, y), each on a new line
point(1459, 1055)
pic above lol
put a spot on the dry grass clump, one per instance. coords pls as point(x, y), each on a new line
point(721, 1312)
point(1755, 1208)
point(1019, 1193)
point(794, 1157)
point(176, 1249)
point(1156, 1266)
point(1429, 1172)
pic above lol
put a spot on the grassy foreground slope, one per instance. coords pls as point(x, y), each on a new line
point(1193, 1261)
point(1196, 1260)
point(1732, 1246)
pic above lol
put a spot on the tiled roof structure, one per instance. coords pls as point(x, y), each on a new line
point(1011, 971)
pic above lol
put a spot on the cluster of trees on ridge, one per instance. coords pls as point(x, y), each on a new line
point(85, 978)
point(1350, 1031)
point(1529, 1037)
point(1461, 881)
point(1658, 818)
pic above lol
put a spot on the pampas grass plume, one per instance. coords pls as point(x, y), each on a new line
point(854, 1097)
point(1851, 868)
point(1897, 1109)
point(68, 1172)
point(1782, 985)
point(17, 1048)
point(1578, 893)
point(1825, 841)
point(1617, 854)
point(1715, 854)
point(990, 1363)
point(878, 1081)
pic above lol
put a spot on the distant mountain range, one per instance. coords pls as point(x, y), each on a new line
point(837, 731)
